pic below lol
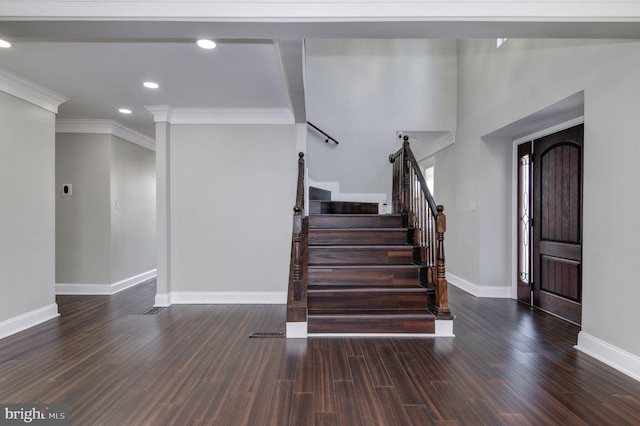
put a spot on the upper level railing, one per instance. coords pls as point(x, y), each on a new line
point(326, 135)
point(297, 294)
point(411, 196)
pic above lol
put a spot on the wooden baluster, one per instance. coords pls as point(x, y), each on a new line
point(442, 302)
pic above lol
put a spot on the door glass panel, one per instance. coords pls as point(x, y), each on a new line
point(524, 220)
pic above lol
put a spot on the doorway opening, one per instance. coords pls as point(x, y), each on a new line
point(549, 222)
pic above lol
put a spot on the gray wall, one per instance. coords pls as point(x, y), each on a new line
point(97, 243)
point(83, 220)
point(133, 224)
point(362, 92)
point(27, 208)
point(232, 192)
point(500, 86)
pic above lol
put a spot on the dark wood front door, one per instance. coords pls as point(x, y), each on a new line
point(557, 223)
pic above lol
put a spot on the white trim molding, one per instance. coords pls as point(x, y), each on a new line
point(613, 356)
point(228, 298)
point(296, 330)
point(162, 300)
point(30, 92)
point(30, 319)
point(105, 289)
point(325, 10)
point(439, 144)
point(444, 328)
point(549, 130)
point(502, 292)
point(221, 115)
point(108, 127)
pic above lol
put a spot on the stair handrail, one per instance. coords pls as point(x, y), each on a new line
point(328, 137)
point(297, 291)
point(411, 196)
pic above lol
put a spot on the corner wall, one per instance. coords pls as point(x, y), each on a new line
point(498, 87)
point(362, 91)
point(105, 231)
point(133, 210)
point(27, 227)
point(232, 192)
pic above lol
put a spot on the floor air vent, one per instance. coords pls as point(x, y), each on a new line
point(153, 310)
point(266, 334)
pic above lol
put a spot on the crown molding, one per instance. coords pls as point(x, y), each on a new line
point(326, 10)
point(108, 127)
point(221, 115)
point(30, 92)
point(441, 143)
point(160, 112)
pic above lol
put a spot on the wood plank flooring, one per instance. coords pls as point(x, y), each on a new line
point(195, 365)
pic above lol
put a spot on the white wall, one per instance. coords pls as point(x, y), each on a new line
point(83, 220)
point(500, 86)
point(232, 193)
point(27, 208)
point(362, 91)
point(102, 248)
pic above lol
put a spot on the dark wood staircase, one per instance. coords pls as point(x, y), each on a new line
point(353, 271)
point(362, 277)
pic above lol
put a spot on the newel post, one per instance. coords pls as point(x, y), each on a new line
point(297, 294)
point(442, 300)
point(406, 167)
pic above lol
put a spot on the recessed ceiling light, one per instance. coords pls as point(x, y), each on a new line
point(150, 85)
point(4, 43)
point(206, 44)
point(124, 111)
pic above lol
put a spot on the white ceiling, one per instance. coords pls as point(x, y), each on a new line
point(100, 77)
point(100, 65)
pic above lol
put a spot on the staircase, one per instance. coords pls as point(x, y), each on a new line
point(361, 275)
point(353, 271)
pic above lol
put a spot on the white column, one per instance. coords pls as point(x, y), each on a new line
point(163, 201)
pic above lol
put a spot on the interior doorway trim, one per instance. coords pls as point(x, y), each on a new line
point(514, 190)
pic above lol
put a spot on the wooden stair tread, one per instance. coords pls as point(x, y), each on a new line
point(350, 221)
point(376, 229)
point(362, 277)
point(369, 290)
point(368, 267)
point(367, 312)
point(399, 215)
point(363, 246)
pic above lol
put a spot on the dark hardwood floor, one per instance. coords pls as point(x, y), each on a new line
point(195, 365)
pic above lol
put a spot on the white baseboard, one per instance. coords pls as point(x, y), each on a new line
point(296, 330)
point(444, 328)
point(22, 322)
point(105, 289)
point(227, 298)
point(478, 291)
point(613, 356)
point(163, 300)
point(381, 335)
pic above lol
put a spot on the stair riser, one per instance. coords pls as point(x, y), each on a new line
point(400, 277)
point(353, 237)
point(354, 300)
point(359, 256)
point(342, 207)
point(373, 324)
point(355, 221)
